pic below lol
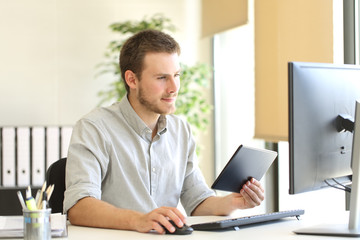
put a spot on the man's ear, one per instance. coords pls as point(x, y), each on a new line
point(130, 79)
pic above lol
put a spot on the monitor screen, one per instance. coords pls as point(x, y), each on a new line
point(319, 150)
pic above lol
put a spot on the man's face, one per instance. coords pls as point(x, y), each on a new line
point(160, 82)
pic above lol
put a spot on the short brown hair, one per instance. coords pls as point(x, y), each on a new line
point(133, 51)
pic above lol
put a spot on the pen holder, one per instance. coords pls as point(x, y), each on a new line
point(37, 225)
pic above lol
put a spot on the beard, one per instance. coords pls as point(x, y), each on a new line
point(154, 106)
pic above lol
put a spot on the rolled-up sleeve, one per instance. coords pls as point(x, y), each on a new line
point(86, 163)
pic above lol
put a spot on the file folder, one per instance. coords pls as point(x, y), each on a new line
point(38, 156)
point(23, 156)
point(52, 145)
point(65, 140)
point(8, 153)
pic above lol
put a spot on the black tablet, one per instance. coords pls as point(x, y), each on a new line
point(247, 162)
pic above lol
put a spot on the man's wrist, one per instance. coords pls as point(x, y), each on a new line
point(133, 218)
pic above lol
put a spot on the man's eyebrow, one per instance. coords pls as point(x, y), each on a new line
point(167, 74)
point(161, 74)
point(158, 74)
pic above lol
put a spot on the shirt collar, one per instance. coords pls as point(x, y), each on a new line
point(137, 123)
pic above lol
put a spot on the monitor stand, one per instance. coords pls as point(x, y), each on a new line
point(352, 229)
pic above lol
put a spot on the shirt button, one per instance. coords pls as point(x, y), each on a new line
point(153, 169)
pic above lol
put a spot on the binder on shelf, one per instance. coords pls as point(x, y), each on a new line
point(52, 145)
point(66, 132)
point(23, 156)
point(8, 160)
point(38, 156)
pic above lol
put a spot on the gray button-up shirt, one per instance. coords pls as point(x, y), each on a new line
point(113, 157)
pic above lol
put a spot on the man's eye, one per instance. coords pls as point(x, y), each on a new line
point(161, 77)
point(177, 75)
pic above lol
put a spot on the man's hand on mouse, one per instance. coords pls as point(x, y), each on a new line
point(158, 219)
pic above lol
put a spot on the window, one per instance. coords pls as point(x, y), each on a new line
point(234, 94)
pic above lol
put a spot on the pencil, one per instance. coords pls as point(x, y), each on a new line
point(49, 191)
point(39, 202)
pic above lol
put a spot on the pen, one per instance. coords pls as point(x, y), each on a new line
point(21, 199)
point(30, 201)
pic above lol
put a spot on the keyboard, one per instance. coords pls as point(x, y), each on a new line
point(236, 222)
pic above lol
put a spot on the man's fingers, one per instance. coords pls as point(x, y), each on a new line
point(252, 193)
point(257, 183)
point(161, 216)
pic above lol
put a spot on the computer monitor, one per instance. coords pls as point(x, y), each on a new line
point(322, 100)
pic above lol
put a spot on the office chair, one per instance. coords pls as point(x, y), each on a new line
point(56, 175)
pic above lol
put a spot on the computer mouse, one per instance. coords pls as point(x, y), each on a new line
point(185, 230)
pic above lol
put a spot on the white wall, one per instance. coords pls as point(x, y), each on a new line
point(49, 49)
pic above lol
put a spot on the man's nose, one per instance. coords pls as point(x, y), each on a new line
point(174, 85)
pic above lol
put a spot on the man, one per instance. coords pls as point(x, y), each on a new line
point(129, 164)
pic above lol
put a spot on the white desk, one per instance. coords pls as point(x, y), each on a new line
point(278, 230)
